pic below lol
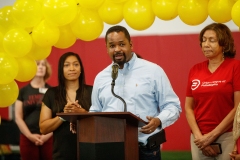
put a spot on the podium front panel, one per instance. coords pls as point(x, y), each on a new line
point(106, 135)
point(97, 129)
point(102, 151)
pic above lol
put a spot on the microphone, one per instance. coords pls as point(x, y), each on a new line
point(115, 68)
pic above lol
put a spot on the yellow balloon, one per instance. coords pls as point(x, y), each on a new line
point(17, 42)
point(27, 69)
point(44, 34)
point(88, 25)
point(220, 10)
point(138, 14)
point(8, 94)
point(119, 1)
point(235, 13)
point(40, 1)
point(6, 19)
point(60, 12)
point(8, 68)
point(27, 13)
point(67, 37)
point(39, 53)
point(90, 4)
point(165, 9)
point(110, 12)
point(193, 12)
point(29, 30)
point(1, 42)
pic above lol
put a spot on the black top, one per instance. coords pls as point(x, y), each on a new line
point(32, 101)
point(64, 141)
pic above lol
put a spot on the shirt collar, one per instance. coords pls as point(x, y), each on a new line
point(130, 63)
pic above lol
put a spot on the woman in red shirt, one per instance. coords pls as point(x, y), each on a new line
point(213, 94)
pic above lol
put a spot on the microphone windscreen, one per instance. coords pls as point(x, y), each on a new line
point(115, 68)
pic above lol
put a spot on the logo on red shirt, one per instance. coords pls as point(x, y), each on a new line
point(195, 84)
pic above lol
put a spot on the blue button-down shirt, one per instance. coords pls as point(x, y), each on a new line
point(145, 88)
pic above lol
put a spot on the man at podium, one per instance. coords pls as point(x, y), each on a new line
point(138, 86)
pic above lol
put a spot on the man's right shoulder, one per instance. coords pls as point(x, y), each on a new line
point(104, 72)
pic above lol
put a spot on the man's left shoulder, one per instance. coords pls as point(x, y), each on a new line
point(147, 63)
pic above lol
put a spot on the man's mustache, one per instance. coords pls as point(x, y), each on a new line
point(118, 53)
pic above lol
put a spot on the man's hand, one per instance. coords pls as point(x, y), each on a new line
point(151, 126)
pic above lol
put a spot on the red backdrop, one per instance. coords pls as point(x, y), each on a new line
point(176, 54)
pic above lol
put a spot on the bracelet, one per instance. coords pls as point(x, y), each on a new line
point(61, 119)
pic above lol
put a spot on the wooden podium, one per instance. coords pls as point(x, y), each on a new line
point(106, 135)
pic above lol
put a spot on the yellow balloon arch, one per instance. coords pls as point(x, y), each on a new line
point(44, 16)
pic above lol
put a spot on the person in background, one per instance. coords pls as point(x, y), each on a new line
point(142, 84)
point(71, 95)
point(235, 154)
point(213, 94)
point(33, 144)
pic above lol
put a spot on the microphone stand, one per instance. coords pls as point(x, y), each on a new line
point(112, 89)
point(115, 68)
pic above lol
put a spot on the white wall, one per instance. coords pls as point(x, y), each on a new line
point(175, 26)
point(159, 27)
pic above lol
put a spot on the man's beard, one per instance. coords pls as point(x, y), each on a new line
point(119, 62)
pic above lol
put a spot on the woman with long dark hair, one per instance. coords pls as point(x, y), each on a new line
point(71, 95)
